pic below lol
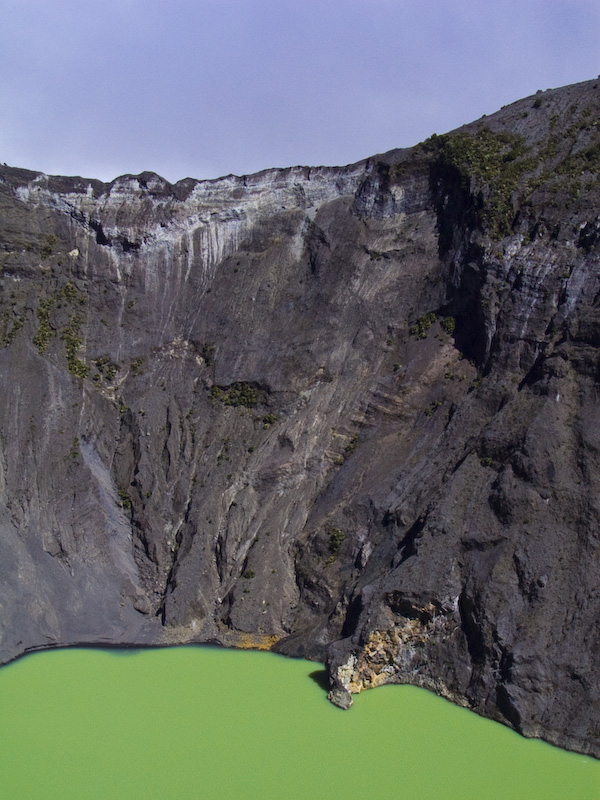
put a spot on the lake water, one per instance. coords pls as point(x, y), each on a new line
point(196, 722)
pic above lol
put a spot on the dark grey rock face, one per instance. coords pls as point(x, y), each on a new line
point(350, 414)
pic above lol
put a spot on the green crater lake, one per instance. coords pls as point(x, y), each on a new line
point(199, 722)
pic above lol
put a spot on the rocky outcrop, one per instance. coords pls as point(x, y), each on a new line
point(349, 414)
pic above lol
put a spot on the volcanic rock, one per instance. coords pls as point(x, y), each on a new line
point(350, 414)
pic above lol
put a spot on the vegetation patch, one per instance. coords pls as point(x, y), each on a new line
point(238, 394)
point(125, 499)
point(137, 366)
point(336, 537)
point(72, 338)
point(48, 325)
point(47, 246)
point(448, 324)
point(420, 328)
point(352, 444)
point(106, 368)
point(9, 327)
point(432, 408)
point(491, 166)
point(45, 331)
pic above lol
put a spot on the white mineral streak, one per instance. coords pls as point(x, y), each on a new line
point(575, 286)
point(538, 273)
point(346, 672)
point(512, 248)
point(118, 530)
point(180, 243)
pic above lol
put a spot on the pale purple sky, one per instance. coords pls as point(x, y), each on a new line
point(202, 88)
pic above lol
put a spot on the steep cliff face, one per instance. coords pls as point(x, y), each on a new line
point(346, 413)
